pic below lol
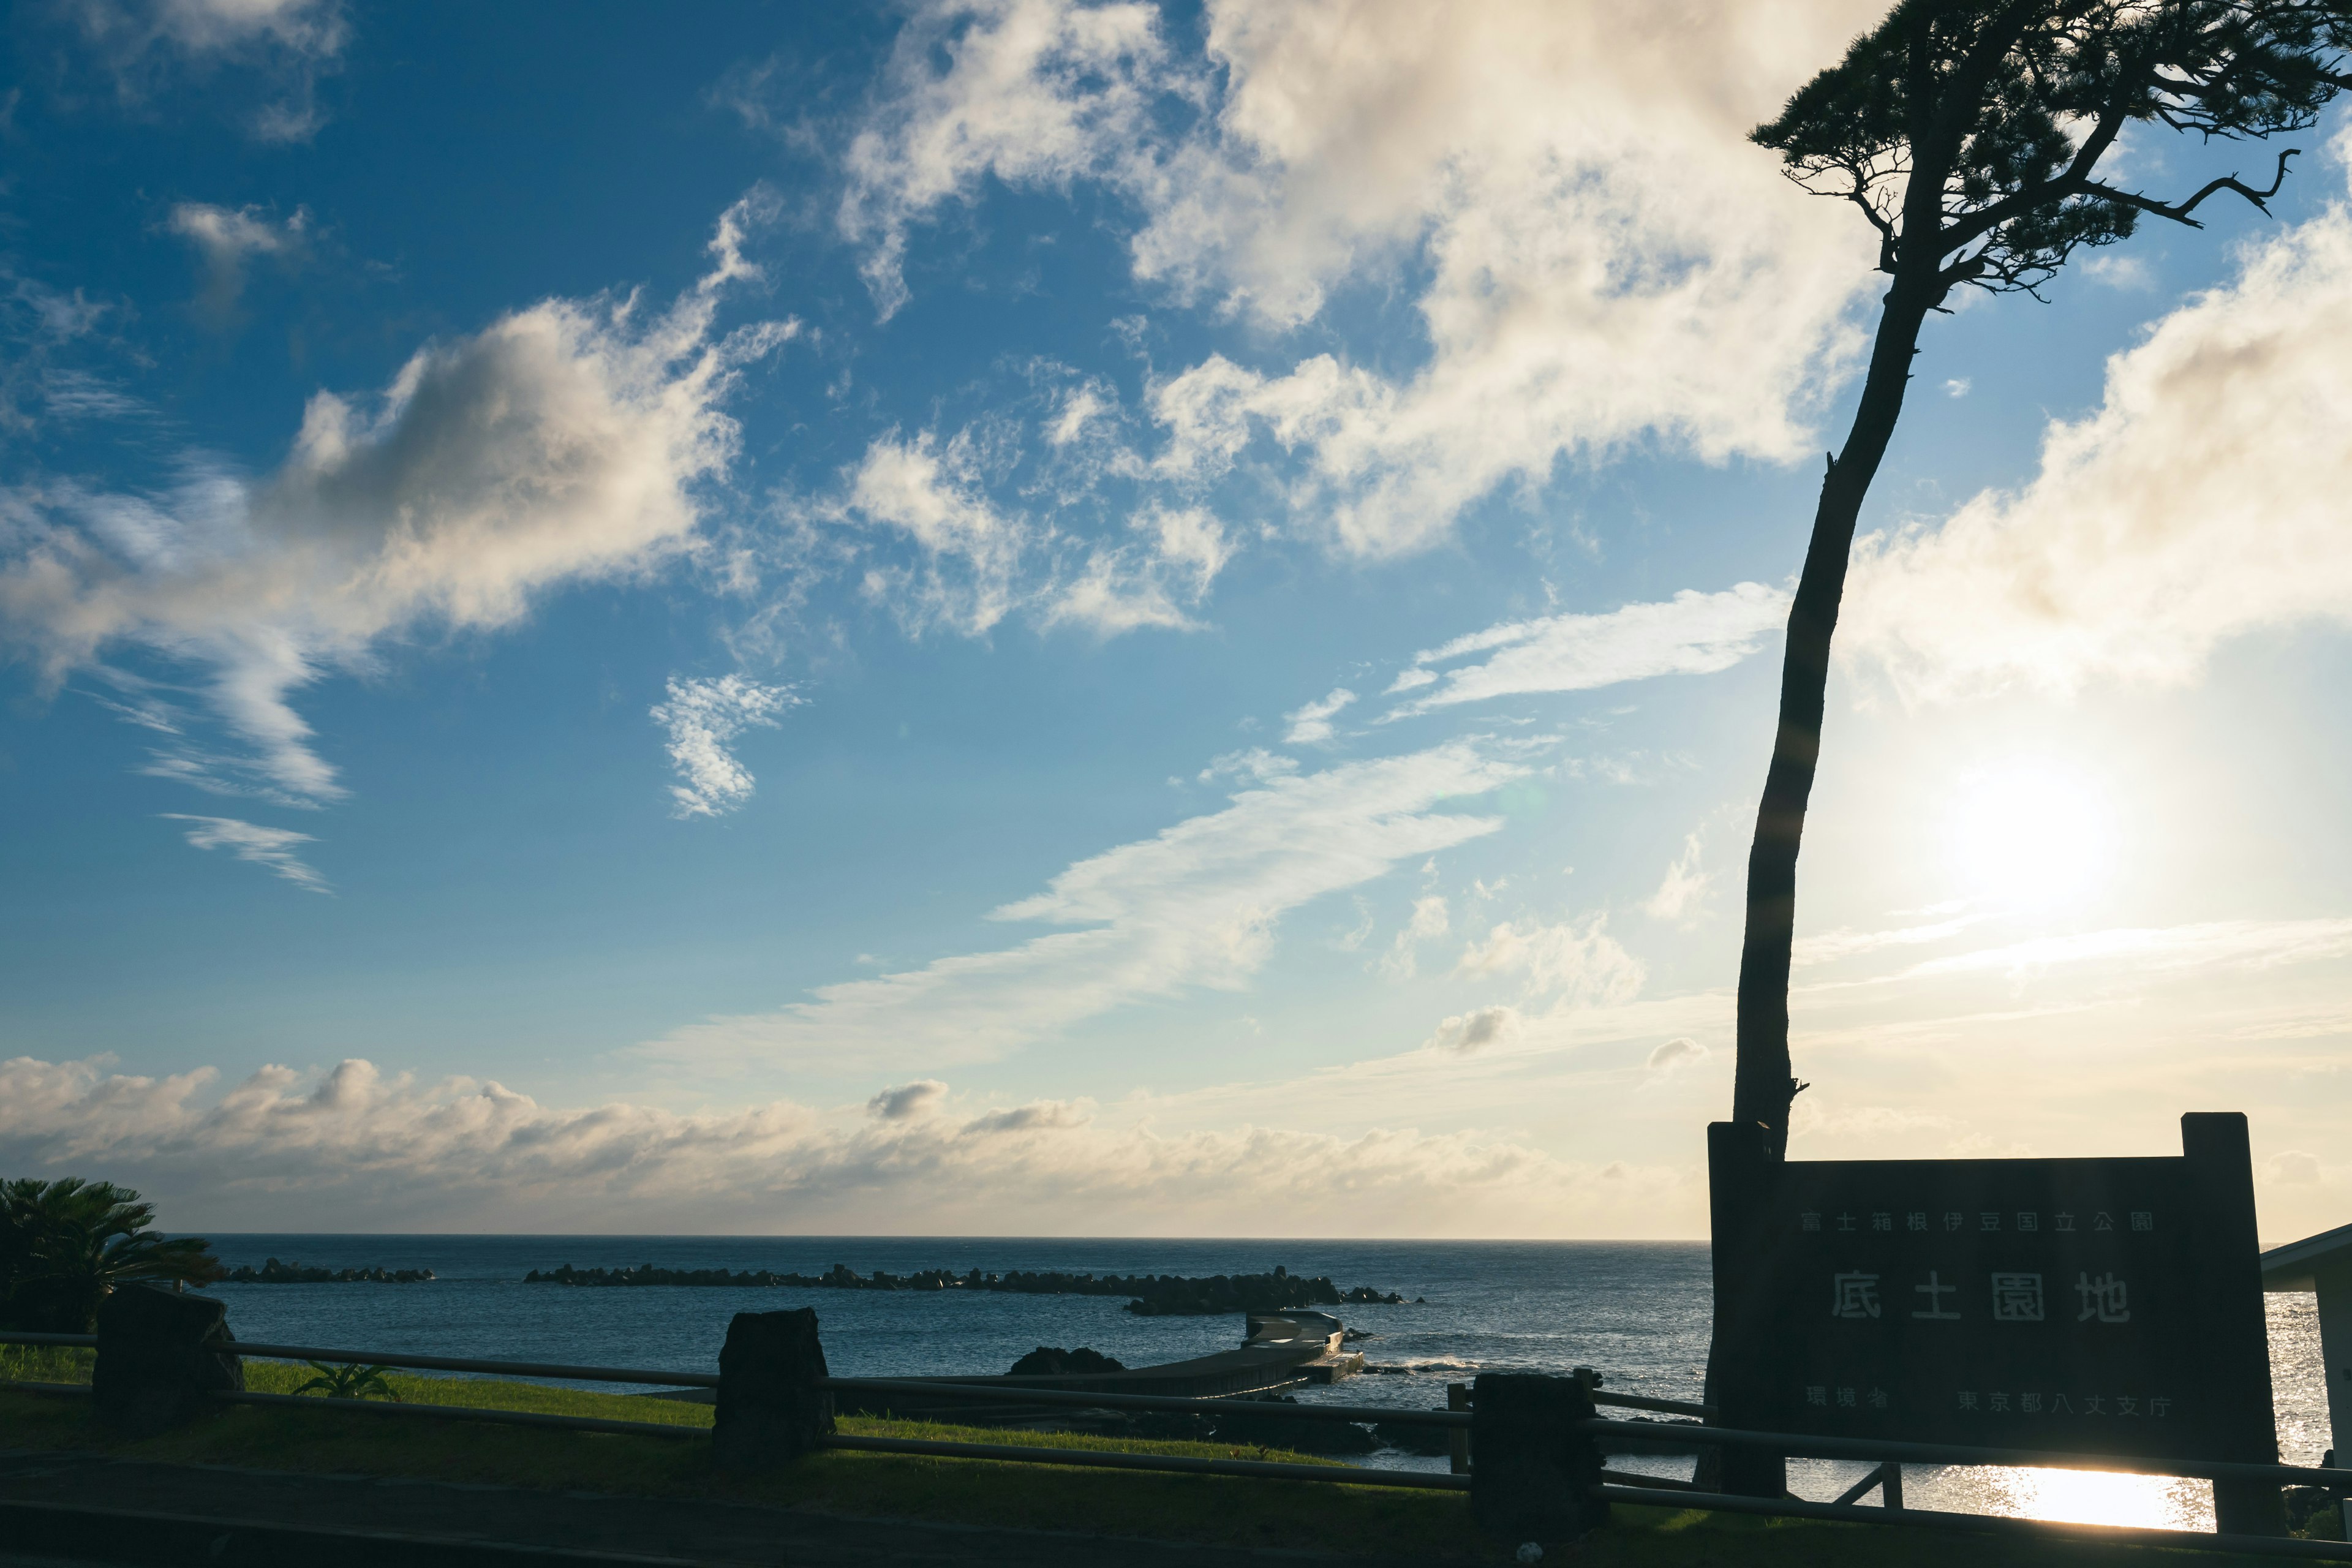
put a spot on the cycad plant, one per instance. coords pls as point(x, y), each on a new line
point(66, 1245)
point(349, 1382)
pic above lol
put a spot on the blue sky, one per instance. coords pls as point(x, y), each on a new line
point(1028, 617)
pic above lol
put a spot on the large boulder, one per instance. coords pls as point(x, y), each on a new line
point(770, 1408)
point(1047, 1361)
point(162, 1356)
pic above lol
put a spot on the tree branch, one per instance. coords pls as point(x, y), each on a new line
point(2179, 214)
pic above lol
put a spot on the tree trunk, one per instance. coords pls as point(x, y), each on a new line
point(1762, 1085)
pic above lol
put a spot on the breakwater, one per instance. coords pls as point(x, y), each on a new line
point(276, 1273)
point(1149, 1295)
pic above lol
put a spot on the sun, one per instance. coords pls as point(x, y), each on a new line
point(2031, 832)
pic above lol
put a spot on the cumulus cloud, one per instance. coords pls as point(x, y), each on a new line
point(562, 442)
point(703, 717)
point(1467, 1032)
point(1602, 256)
point(2202, 499)
point(268, 847)
point(227, 238)
point(1196, 906)
point(2292, 1167)
point(908, 1100)
point(356, 1147)
point(1682, 893)
point(1691, 634)
point(1672, 1055)
point(1578, 960)
point(1311, 725)
point(1042, 1116)
point(290, 43)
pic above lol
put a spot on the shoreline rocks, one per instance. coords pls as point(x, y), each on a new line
point(1150, 1296)
point(276, 1273)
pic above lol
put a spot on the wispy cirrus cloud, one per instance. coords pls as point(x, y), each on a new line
point(1196, 906)
point(272, 847)
point(1690, 633)
point(288, 44)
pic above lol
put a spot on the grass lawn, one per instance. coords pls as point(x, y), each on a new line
point(1310, 1516)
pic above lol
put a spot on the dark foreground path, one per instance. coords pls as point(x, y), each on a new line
point(89, 1508)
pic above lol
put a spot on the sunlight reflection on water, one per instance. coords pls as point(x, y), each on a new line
point(2095, 1497)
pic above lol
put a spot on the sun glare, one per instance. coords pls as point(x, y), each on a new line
point(2030, 831)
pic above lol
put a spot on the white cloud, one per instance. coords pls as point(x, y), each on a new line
point(562, 442)
point(1607, 259)
point(1580, 961)
point(2201, 501)
point(2292, 1167)
point(1151, 583)
point(1682, 893)
point(291, 42)
point(1672, 1055)
point(2254, 944)
point(1311, 725)
point(976, 561)
point(1033, 92)
point(1828, 947)
point(908, 1100)
point(1691, 634)
point(353, 1147)
point(227, 238)
point(1430, 921)
point(1256, 764)
point(1042, 1115)
point(1196, 906)
point(968, 550)
point(1473, 1031)
point(269, 846)
point(702, 717)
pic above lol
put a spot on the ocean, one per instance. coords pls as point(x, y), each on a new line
point(1636, 1312)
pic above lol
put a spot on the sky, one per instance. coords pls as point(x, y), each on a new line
point(1022, 618)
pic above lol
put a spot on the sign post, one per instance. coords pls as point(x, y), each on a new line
point(2081, 1306)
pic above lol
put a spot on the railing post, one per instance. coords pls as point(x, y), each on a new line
point(1457, 1397)
point(770, 1408)
point(1746, 1356)
point(2221, 1185)
point(160, 1359)
point(1535, 1470)
point(1890, 1488)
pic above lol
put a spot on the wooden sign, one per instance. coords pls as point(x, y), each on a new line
point(2085, 1306)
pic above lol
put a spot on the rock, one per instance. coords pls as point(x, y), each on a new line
point(770, 1408)
point(1047, 1361)
point(161, 1358)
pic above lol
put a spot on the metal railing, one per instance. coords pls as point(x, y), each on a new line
point(1615, 1485)
point(1343, 1474)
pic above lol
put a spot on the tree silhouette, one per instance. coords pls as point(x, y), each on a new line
point(66, 1245)
point(1969, 136)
